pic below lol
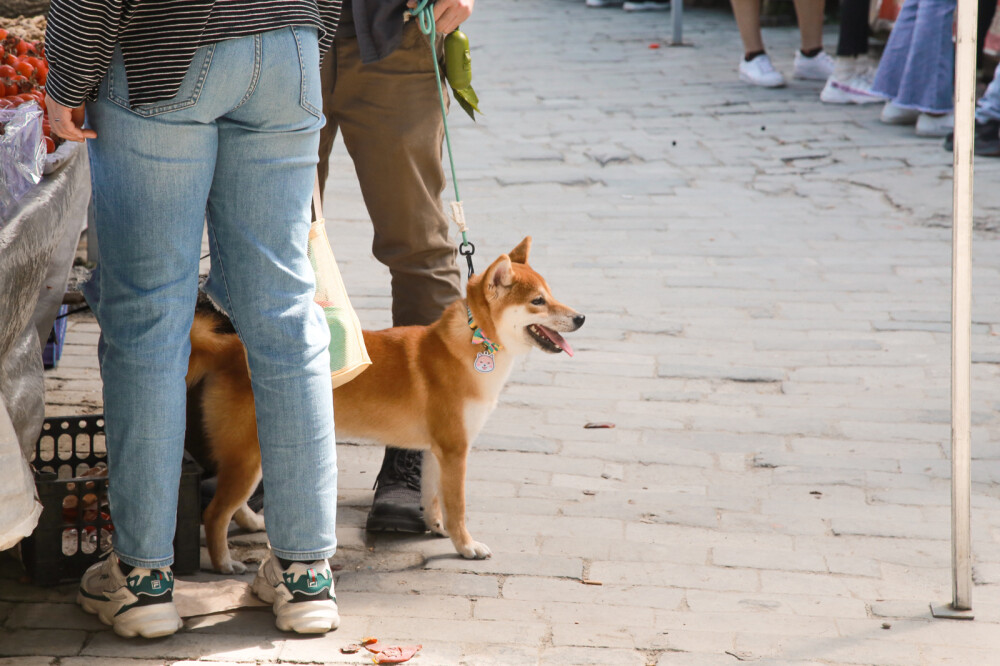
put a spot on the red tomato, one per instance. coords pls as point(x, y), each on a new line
point(24, 68)
point(23, 47)
point(9, 59)
point(3, 34)
point(7, 72)
point(6, 103)
point(50, 145)
point(41, 74)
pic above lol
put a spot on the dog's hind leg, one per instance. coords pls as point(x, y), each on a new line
point(235, 486)
point(248, 519)
point(430, 496)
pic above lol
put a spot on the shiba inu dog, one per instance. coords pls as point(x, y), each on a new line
point(429, 387)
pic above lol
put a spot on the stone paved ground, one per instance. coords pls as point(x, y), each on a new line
point(766, 283)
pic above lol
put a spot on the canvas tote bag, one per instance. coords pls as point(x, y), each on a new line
point(348, 356)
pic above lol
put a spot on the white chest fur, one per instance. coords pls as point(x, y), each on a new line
point(491, 383)
point(476, 413)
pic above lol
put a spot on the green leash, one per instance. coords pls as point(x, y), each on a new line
point(424, 12)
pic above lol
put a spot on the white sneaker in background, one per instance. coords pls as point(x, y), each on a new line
point(816, 68)
point(897, 115)
point(855, 90)
point(646, 5)
point(935, 126)
point(760, 72)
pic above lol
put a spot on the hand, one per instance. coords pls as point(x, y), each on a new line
point(448, 14)
point(67, 122)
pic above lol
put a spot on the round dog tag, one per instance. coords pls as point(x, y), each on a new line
point(484, 362)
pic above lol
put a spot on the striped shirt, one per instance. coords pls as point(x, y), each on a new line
point(158, 39)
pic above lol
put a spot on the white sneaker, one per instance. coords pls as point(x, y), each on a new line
point(138, 604)
point(646, 5)
point(760, 72)
point(817, 68)
point(301, 596)
point(936, 126)
point(897, 115)
point(855, 90)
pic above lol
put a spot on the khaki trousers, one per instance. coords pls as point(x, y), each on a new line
point(389, 115)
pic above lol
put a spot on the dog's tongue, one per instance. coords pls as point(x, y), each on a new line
point(559, 340)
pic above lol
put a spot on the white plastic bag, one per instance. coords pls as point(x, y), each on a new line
point(19, 506)
point(22, 153)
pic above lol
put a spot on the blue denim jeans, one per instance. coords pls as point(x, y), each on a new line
point(237, 146)
point(917, 69)
point(988, 106)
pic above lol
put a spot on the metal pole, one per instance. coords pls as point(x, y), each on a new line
point(961, 308)
point(677, 21)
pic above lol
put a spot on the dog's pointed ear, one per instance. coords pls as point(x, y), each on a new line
point(499, 275)
point(519, 255)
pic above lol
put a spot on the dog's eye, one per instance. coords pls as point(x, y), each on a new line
point(538, 301)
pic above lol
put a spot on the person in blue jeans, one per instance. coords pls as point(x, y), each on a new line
point(987, 132)
point(917, 70)
point(223, 129)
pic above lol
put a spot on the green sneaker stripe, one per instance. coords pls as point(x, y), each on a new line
point(303, 583)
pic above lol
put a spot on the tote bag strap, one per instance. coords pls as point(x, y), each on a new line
point(317, 204)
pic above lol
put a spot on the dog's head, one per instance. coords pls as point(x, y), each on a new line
point(522, 313)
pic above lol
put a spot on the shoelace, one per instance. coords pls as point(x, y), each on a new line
point(404, 468)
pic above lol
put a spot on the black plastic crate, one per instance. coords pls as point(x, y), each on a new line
point(75, 528)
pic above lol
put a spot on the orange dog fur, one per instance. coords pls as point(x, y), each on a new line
point(422, 391)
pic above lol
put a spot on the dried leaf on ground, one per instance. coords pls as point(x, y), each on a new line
point(396, 654)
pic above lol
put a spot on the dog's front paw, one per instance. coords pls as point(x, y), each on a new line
point(475, 551)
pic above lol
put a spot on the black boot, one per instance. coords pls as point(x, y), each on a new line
point(396, 507)
point(987, 139)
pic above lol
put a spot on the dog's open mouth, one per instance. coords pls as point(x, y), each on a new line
point(549, 340)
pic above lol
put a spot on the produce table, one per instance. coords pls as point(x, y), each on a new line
point(38, 241)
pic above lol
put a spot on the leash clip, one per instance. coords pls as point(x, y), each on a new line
point(465, 248)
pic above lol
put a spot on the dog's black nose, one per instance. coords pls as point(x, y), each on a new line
point(578, 320)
